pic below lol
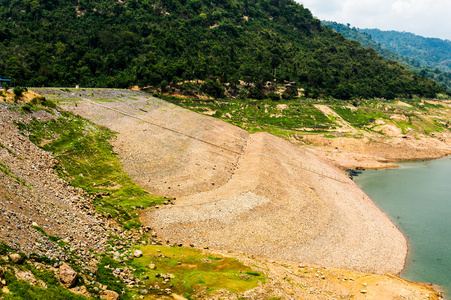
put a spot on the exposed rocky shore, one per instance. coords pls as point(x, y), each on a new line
point(256, 194)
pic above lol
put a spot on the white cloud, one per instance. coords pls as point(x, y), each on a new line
point(428, 18)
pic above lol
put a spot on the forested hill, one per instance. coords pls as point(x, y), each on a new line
point(427, 69)
point(431, 52)
point(105, 43)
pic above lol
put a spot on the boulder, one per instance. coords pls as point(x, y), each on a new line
point(15, 258)
point(111, 295)
point(138, 253)
point(152, 266)
point(67, 276)
point(144, 291)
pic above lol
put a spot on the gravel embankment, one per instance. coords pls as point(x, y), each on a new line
point(40, 198)
point(261, 202)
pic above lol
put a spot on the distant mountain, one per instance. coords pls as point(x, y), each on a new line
point(430, 52)
point(366, 39)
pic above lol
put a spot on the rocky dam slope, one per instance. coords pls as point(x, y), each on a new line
point(241, 192)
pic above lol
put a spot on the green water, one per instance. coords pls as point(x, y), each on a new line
point(417, 197)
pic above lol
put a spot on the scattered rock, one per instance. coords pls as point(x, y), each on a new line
point(67, 276)
point(138, 253)
point(144, 291)
point(110, 295)
point(5, 290)
point(15, 258)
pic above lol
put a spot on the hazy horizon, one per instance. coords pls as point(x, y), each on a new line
point(422, 17)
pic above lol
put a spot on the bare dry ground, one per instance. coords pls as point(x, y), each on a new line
point(312, 282)
point(256, 194)
point(384, 144)
point(376, 152)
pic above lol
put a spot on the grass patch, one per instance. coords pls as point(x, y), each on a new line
point(253, 273)
point(281, 118)
point(105, 276)
point(36, 104)
point(47, 276)
point(20, 289)
point(286, 118)
point(194, 270)
point(359, 117)
point(53, 238)
point(4, 249)
point(7, 149)
point(86, 160)
point(43, 259)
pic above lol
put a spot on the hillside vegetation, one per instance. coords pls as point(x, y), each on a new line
point(230, 44)
point(423, 62)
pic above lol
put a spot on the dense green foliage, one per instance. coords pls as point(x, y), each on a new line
point(423, 65)
point(431, 52)
point(105, 43)
point(22, 290)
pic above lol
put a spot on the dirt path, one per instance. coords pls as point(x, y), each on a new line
point(265, 202)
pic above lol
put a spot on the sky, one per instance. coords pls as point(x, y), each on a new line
point(428, 18)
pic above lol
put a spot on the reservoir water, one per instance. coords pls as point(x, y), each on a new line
point(417, 197)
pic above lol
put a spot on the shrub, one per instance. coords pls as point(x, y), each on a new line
point(252, 273)
point(18, 92)
point(43, 101)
